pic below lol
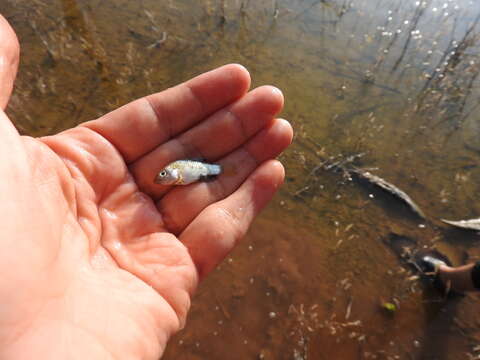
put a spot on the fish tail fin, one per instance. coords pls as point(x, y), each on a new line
point(214, 169)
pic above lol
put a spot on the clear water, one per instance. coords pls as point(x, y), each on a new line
point(394, 79)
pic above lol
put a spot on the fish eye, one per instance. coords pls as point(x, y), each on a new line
point(163, 173)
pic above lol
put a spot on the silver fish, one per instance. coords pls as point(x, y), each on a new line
point(471, 224)
point(184, 172)
point(390, 188)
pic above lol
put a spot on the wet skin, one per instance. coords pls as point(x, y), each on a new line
point(96, 260)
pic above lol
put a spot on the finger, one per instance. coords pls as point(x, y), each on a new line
point(218, 228)
point(267, 144)
point(9, 55)
point(220, 134)
point(139, 127)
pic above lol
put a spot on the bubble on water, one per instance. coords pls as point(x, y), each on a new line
point(272, 315)
point(406, 22)
point(434, 9)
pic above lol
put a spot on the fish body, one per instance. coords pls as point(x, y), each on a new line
point(390, 188)
point(184, 172)
point(471, 224)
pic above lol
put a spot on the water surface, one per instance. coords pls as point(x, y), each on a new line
point(394, 80)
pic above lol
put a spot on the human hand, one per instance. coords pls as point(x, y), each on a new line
point(96, 260)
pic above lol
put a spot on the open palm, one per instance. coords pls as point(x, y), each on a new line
point(96, 260)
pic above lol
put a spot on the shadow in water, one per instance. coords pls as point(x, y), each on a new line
point(461, 238)
point(440, 316)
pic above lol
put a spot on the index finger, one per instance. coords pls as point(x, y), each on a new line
point(140, 126)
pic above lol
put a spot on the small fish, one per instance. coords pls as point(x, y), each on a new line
point(184, 172)
point(471, 224)
point(390, 188)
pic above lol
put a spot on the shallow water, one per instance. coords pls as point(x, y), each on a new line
point(395, 80)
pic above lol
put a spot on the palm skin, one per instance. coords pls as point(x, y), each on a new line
point(96, 260)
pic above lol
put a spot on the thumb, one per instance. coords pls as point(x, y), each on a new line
point(9, 55)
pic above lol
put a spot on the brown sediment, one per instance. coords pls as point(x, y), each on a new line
point(351, 87)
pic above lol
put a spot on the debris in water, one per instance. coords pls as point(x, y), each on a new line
point(158, 42)
point(472, 224)
point(339, 242)
point(402, 246)
point(389, 307)
point(349, 309)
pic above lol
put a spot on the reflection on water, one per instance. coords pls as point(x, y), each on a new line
point(395, 80)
